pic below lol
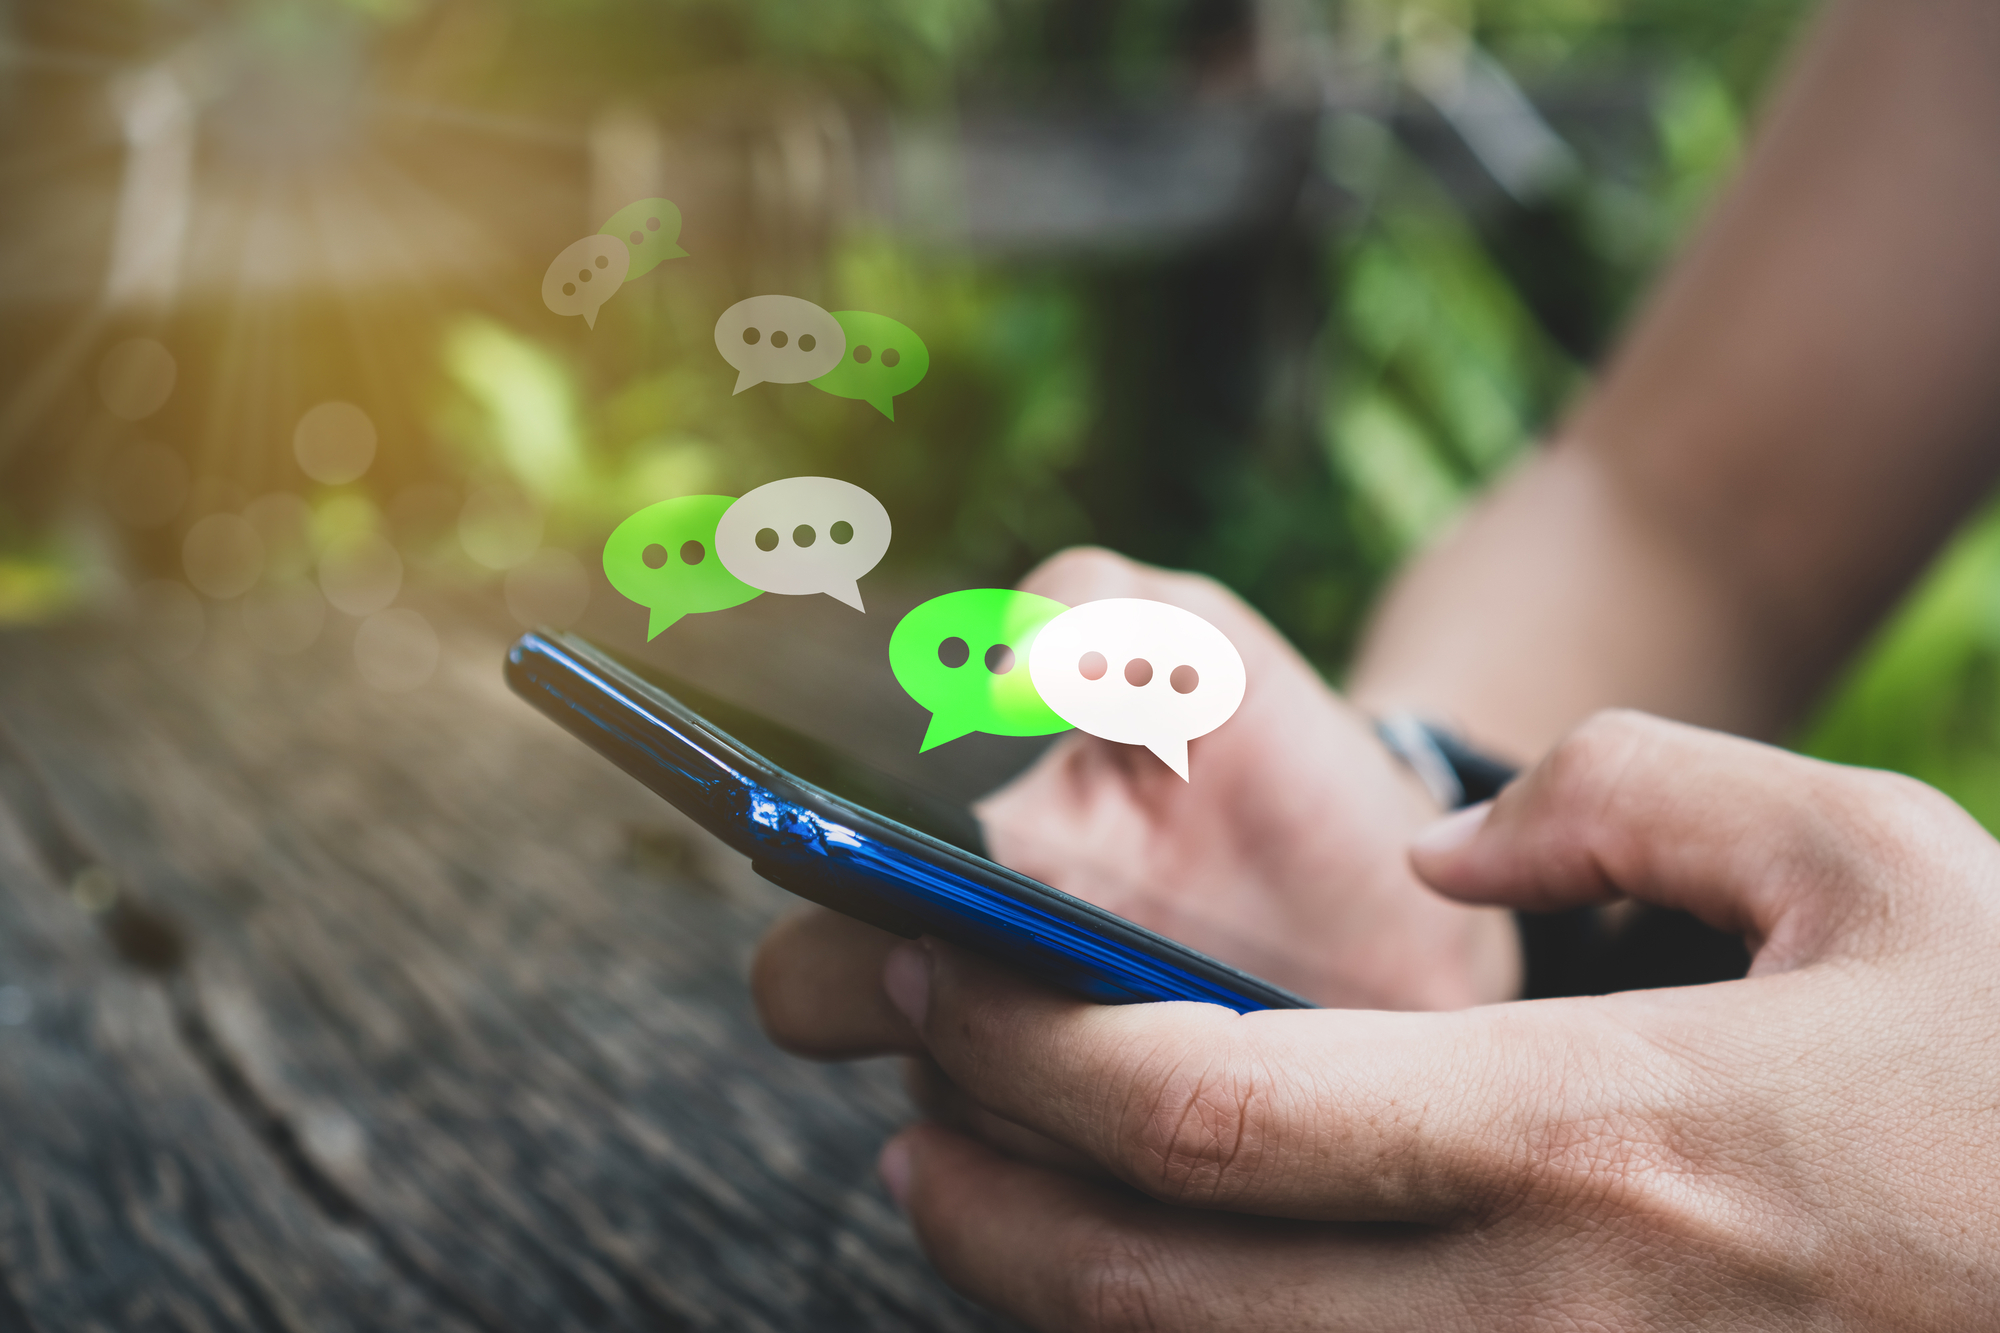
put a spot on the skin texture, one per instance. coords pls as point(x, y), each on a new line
point(1813, 1147)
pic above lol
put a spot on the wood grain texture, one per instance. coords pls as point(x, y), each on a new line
point(407, 1012)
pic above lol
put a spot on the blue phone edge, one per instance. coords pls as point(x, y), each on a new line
point(833, 851)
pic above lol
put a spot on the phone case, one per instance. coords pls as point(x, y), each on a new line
point(835, 852)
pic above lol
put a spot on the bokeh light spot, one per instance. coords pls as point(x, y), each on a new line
point(360, 573)
point(334, 443)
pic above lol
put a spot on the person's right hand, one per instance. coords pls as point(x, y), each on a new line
point(1814, 1147)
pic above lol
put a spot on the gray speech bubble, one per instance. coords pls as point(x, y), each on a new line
point(585, 275)
point(804, 535)
point(778, 340)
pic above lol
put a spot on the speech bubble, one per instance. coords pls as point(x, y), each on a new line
point(664, 558)
point(964, 656)
point(651, 230)
point(585, 275)
point(884, 357)
point(778, 340)
point(804, 535)
point(1138, 672)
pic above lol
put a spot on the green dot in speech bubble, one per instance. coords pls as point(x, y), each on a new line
point(964, 656)
point(651, 230)
point(663, 558)
point(884, 357)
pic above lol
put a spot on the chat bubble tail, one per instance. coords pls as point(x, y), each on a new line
point(590, 317)
point(675, 252)
point(1173, 754)
point(849, 593)
point(744, 380)
point(659, 620)
point(886, 406)
point(943, 729)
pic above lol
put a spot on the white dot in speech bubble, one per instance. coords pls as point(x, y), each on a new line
point(804, 535)
point(585, 275)
point(1138, 672)
point(778, 340)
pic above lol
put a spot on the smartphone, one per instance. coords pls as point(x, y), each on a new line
point(843, 834)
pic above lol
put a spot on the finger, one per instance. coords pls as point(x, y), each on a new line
point(1055, 1252)
point(1326, 1114)
point(1778, 848)
point(1091, 573)
point(817, 982)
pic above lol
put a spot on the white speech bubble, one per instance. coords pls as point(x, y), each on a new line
point(1139, 673)
point(778, 340)
point(804, 535)
point(585, 275)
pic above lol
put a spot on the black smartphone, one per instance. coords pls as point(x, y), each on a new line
point(833, 829)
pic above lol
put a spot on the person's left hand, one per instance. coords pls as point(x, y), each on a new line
point(1815, 1146)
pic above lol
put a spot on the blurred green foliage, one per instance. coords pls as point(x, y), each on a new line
point(1448, 330)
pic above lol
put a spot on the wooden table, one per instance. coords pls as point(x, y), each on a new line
point(325, 1008)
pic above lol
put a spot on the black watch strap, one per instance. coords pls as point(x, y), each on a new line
point(1453, 772)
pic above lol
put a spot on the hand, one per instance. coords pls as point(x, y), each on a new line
point(1817, 1145)
point(1284, 855)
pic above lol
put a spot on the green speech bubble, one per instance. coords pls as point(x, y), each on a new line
point(684, 575)
point(651, 230)
point(884, 357)
point(986, 633)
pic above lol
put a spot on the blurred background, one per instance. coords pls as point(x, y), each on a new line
point(1262, 288)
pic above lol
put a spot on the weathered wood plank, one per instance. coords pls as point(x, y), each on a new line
point(457, 1036)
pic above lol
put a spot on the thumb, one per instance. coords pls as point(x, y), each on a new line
point(1752, 840)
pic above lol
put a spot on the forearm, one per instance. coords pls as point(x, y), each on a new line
point(1805, 409)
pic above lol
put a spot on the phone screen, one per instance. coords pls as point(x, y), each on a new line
point(805, 682)
point(820, 763)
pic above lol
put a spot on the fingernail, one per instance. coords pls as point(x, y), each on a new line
point(894, 1167)
point(1453, 831)
point(906, 976)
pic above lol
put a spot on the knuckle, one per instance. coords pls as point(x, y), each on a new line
point(1895, 805)
point(1872, 827)
point(1199, 1137)
point(1583, 1165)
point(1600, 747)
